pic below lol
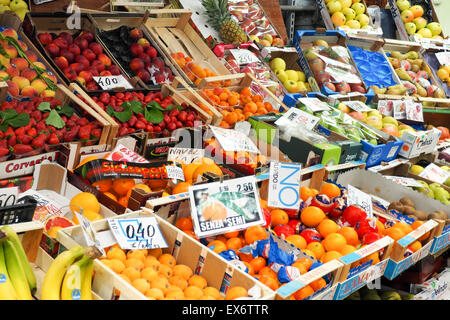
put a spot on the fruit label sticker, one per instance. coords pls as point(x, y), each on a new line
point(8, 196)
point(296, 116)
point(362, 199)
point(221, 207)
point(187, 155)
point(244, 56)
point(434, 173)
point(414, 111)
point(89, 233)
point(284, 185)
point(314, 104)
point(399, 108)
point(137, 233)
point(443, 58)
point(407, 182)
point(112, 82)
point(386, 107)
point(232, 140)
point(358, 106)
point(122, 153)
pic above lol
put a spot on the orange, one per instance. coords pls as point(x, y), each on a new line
point(303, 293)
point(254, 233)
point(86, 160)
point(317, 249)
point(214, 211)
point(350, 235)
point(174, 293)
point(181, 187)
point(234, 243)
point(246, 91)
point(334, 242)
point(297, 240)
point(272, 283)
point(309, 253)
point(330, 255)
point(131, 273)
point(85, 201)
point(395, 233)
point(124, 277)
point(157, 185)
point(268, 271)
point(331, 190)
point(306, 193)
point(155, 293)
point(144, 187)
point(149, 274)
point(200, 170)
point(250, 107)
point(301, 267)
point(103, 185)
point(236, 292)
point(116, 253)
point(374, 257)
point(167, 259)
point(327, 226)
point(417, 224)
point(116, 265)
point(278, 217)
point(165, 271)
point(305, 261)
point(318, 284)
point(232, 234)
point(178, 281)
point(160, 283)
point(312, 216)
point(141, 284)
point(193, 293)
point(245, 257)
point(406, 228)
point(135, 263)
point(121, 186)
point(151, 262)
point(258, 263)
point(380, 227)
point(123, 201)
point(189, 171)
point(213, 292)
point(182, 270)
point(347, 249)
point(137, 254)
point(197, 281)
point(217, 246)
point(250, 270)
point(221, 237)
point(155, 252)
point(416, 245)
point(184, 223)
point(109, 194)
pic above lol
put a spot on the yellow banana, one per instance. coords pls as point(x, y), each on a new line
point(7, 291)
point(51, 286)
point(86, 281)
point(15, 271)
point(71, 285)
point(31, 278)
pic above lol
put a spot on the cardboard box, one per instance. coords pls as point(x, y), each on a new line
point(417, 143)
point(216, 270)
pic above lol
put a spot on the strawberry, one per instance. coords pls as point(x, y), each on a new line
point(53, 139)
point(4, 151)
point(22, 148)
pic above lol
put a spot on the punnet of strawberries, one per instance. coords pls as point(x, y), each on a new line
point(27, 127)
point(146, 112)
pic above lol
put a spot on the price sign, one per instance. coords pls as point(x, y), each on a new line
point(111, 82)
point(399, 108)
point(284, 185)
point(362, 199)
point(434, 173)
point(314, 104)
point(298, 117)
point(221, 207)
point(407, 182)
point(243, 56)
point(174, 172)
point(8, 196)
point(414, 111)
point(187, 155)
point(358, 106)
point(443, 58)
point(89, 233)
point(386, 107)
point(137, 233)
point(232, 140)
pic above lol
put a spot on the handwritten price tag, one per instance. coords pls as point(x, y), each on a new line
point(89, 233)
point(386, 107)
point(232, 140)
point(358, 106)
point(314, 104)
point(137, 233)
point(296, 116)
point(111, 82)
point(243, 56)
point(357, 197)
point(434, 173)
point(407, 182)
point(443, 58)
point(399, 107)
point(284, 185)
point(187, 155)
point(174, 172)
point(414, 111)
point(8, 196)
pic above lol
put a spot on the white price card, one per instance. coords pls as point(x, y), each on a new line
point(111, 82)
point(357, 106)
point(443, 58)
point(187, 155)
point(243, 126)
point(407, 182)
point(434, 173)
point(414, 111)
point(137, 233)
point(8, 196)
point(89, 233)
point(314, 104)
point(284, 185)
point(298, 117)
point(243, 56)
point(221, 207)
point(232, 140)
point(362, 199)
point(386, 107)
point(399, 107)
point(175, 172)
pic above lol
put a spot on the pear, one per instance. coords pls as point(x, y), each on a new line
point(391, 295)
point(426, 68)
point(415, 68)
point(398, 55)
point(402, 74)
point(412, 55)
point(421, 91)
point(441, 194)
point(416, 62)
point(395, 62)
point(433, 186)
point(439, 94)
point(378, 90)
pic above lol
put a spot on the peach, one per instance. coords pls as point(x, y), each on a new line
point(31, 56)
point(103, 58)
point(49, 76)
point(86, 75)
point(39, 85)
point(12, 71)
point(10, 32)
point(4, 60)
point(143, 42)
point(80, 80)
point(61, 62)
point(13, 88)
point(105, 73)
point(45, 38)
point(96, 48)
point(47, 93)
point(52, 49)
point(30, 91)
point(22, 45)
point(136, 64)
point(4, 75)
point(77, 67)
point(11, 51)
point(20, 63)
point(136, 33)
point(39, 65)
point(28, 73)
point(21, 82)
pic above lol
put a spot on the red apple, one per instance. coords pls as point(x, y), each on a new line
point(96, 48)
point(159, 78)
point(68, 55)
point(52, 49)
point(92, 86)
point(105, 73)
point(93, 71)
point(103, 58)
point(81, 43)
point(89, 54)
point(83, 60)
point(96, 64)
point(61, 62)
point(45, 38)
point(145, 58)
point(70, 73)
point(151, 52)
point(89, 36)
point(144, 75)
point(77, 67)
point(114, 69)
point(86, 75)
point(136, 49)
point(136, 64)
point(66, 36)
point(74, 49)
point(61, 43)
point(159, 63)
point(136, 33)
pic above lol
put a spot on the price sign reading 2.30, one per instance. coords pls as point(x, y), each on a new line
point(137, 233)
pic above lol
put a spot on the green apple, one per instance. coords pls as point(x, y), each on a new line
point(375, 122)
point(291, 86)
point(320, 43)
point(363, 19)
point(359, 8)
point(353, 24)
point(435, 28)
point(292, 75)
point(345, 3)
point(420, 23)
point(410, 27)
point(416, 169)
point(16, 5)
point(447, 182)
point(375, 113)
point(426, 33)
point(301, 76)
point(390, 120)
point(277, 64)
point(349, 13)
point(281, 75)
point(334, 6)
point(446, 168)
point(403, 5)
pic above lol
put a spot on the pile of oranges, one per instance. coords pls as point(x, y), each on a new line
point(237, 106)
point(194, 72)
point(158, 276)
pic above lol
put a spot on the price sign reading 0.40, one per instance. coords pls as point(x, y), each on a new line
point(137, 233)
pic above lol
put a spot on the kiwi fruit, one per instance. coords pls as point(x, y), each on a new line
point(421, 215)
point(434, 215)
point(407, 202)
point(408, 210)
point(443, 214)
point(396, 205)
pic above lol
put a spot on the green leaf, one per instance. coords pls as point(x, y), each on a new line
point(54, 119)
point(155, 116)
point(20, 120)
point(123, 116)
point(4, 126)
point(155, 105)
point(110, 111)
point(136, 107)
point(8, 114)
point(172, 106)
point(66, 110)
point(44, 106)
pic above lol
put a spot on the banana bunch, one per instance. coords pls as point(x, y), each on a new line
point(17, 279)
point(70, 275)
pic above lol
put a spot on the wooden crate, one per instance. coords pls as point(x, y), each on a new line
point(176, 35)
point(215, 269)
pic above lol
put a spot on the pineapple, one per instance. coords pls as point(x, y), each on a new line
point(220, 19)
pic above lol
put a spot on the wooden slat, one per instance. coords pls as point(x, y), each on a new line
point(170, 41)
